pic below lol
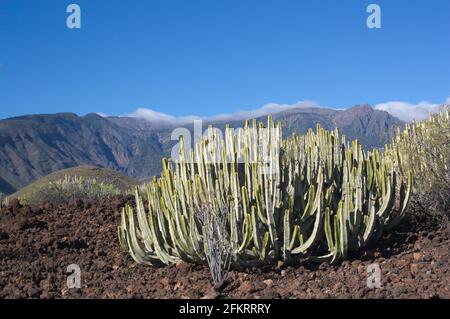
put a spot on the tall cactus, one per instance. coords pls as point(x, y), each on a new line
point(313, 195)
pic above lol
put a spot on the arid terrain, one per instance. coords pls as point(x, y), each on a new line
point(38, 243)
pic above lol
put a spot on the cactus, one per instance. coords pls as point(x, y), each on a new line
point(315, 196)
point(423, 148)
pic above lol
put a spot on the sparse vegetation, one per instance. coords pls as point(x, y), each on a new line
point(101, 175)
point(424, 149)
point(319, 197)
point(68, 189)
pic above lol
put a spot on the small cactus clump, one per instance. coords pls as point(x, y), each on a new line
point(314, 196)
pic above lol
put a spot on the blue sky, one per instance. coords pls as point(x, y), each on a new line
point(214, 56)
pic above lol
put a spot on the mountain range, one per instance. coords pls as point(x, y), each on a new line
point(33, 146)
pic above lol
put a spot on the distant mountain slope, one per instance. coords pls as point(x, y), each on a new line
point(373, 128)
point(36, 145)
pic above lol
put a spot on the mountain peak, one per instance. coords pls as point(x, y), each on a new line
point(363, 108)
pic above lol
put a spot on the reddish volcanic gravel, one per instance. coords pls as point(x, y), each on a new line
point(37, 244)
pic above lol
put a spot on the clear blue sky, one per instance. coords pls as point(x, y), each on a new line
point(212, 56)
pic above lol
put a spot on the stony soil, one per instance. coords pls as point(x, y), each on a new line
point(37, 244)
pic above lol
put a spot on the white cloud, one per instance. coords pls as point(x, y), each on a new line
point(159, 118)
point(408, 111)
point(403, 110)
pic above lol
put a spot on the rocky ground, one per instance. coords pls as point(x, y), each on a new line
point(37, 244)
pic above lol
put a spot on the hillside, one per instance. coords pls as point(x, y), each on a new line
point(101, 175)
point(36, 145)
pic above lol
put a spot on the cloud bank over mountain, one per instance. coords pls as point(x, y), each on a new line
point(403, 110)
point(408, 111)
point(270, 108)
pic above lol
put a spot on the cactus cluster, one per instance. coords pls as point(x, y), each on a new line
point(418, 146)
point(424, 149)
point(313, 195)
